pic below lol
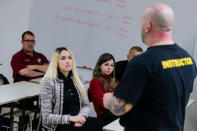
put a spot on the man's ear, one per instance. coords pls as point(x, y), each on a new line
point(148, 27)
point(127, 57)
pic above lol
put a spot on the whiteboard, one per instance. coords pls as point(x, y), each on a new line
point(92, 27)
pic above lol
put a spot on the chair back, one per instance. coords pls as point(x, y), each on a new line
point(3, 80)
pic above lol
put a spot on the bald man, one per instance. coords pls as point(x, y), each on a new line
point(154, 91)
point(121, 65)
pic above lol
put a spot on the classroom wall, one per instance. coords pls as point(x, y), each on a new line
point(191, 113)
point(14, 21)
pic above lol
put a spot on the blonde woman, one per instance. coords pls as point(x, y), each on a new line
point(64, 103)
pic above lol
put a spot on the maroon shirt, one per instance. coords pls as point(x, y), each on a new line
point(97, 91)
point(20, 60)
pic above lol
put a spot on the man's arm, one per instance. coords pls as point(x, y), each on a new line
point(117, 106)
point(38, 68)
point(33, 70)
point(30, 73)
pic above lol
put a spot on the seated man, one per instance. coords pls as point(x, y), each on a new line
point(121, 65)
point(28, 64)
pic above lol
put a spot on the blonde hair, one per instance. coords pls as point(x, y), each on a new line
point(52, 71)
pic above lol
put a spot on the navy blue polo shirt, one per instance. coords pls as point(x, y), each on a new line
point(158, 84)
point(120, 69)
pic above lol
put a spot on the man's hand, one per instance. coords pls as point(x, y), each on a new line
point(117, 106)
point(106, 99)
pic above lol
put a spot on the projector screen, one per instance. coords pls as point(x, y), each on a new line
point(92, 27)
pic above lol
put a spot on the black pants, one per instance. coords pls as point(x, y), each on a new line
point(107, 117)
point(91, 124)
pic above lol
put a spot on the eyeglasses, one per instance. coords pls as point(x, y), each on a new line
point(28, 41)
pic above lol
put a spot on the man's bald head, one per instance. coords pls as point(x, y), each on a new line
point(160, 15)
point(134, 51)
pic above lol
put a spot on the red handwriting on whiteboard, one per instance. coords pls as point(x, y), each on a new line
point(117, 3)
point(105, 1)
point(67, 19)
point(123, 30)
point(113, 17)
point(126, 22)
point(57, 17)
point(93, 18)
point(109, 28)
point(79, 21)
point(121, 6)
point(68, 8)
point(127, 17)
point(122, 35)
point(88, 11)
point(122, 1)
point(79, 10)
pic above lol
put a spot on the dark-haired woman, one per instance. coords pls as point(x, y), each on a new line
point(103, 82)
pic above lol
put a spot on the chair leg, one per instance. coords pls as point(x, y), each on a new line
point(30, 122)
point(0, 109)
